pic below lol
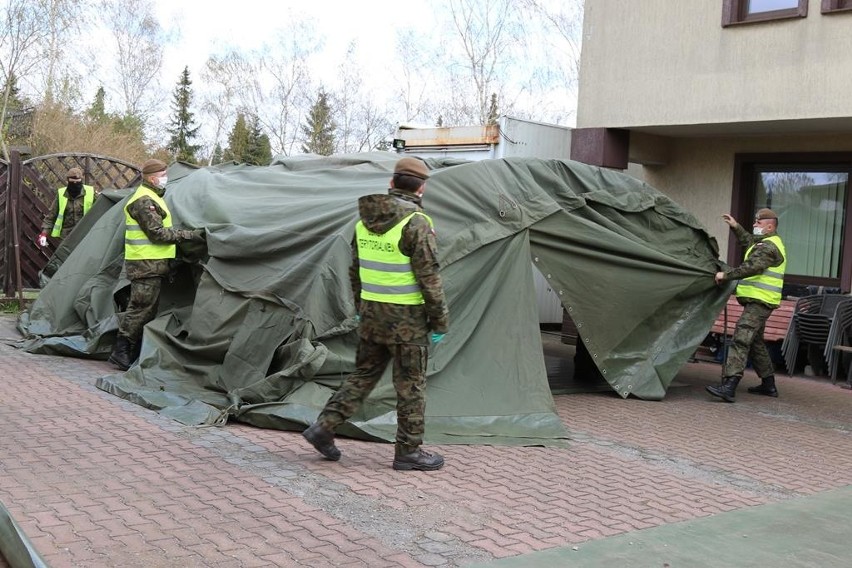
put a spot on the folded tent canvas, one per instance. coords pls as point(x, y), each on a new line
point(265, 332)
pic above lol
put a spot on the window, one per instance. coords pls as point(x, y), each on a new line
point(810, 193)
point(829, 6)
point(749, 11)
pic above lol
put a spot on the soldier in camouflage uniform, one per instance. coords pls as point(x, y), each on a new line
point(149, 245)
point(67, 208)
point(400, 303)
point(761, 277)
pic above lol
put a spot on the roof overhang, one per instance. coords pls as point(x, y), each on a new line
point(832, 125)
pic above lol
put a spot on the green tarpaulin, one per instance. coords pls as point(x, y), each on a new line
point(269, 332)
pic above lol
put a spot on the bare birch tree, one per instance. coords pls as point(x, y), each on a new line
point(62, 25)
point(277, 84)
point(413, 84)
point(222, 76)
point(361, 122)
point(565, 19)
point(139, 41)
point(485, 31)
point(514, 57)
point(25, 29)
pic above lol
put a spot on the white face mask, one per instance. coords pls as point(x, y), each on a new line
point(163, 181)
point(757, 231)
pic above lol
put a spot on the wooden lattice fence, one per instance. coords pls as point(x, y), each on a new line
point(27, 188)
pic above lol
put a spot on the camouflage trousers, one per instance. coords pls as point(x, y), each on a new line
point(142, 308)
point(748, 343)
point(409, 381)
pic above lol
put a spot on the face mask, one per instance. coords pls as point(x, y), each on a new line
point(758, 231)
point(163, 181)
point(75, 188)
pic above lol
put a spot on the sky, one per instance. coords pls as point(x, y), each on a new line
point(199, 29)
point(205, 27)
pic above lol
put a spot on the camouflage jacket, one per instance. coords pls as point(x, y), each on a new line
point(73, 214)
point(150, 217)
point(764, 255)
point(394, 323)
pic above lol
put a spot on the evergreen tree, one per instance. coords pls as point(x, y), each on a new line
point(15, 101)
point(320, 127)
point(182, 130)
point(259, 150)
point(218, 155)
point(238, 140)
point(130, 125)
point(492, 110)
point(17, 120)
point(97, 111)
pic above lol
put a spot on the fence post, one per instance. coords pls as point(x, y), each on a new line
point(12, 278)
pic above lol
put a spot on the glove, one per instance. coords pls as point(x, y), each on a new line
point(437, 337)
point(195, 235)
point(41, 239)
point(357, 318)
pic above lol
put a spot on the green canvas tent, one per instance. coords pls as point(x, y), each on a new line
point(265, 332)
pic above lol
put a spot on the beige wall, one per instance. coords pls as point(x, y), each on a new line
point(700, 174)
point(670, 62)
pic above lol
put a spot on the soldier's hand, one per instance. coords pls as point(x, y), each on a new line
point(720, 277)
point(729, 220)
point(199, 235)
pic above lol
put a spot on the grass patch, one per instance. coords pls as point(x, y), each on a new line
point(10, 306)
point(14, 305)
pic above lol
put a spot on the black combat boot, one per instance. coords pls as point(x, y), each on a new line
point(418, 459)
point(766, 386)
point(727, 390)
point(121, 353)
point(322, 440)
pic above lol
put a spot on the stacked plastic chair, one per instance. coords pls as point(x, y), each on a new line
point(839, 334)
point(812, 325)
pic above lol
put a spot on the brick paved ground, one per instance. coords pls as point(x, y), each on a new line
point(97, 481)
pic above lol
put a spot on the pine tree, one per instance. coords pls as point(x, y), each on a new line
point(238, 141)
point(15, 101)
point(259, 150)
point(17, 118)
point(97, 111)
point(320, 127)
point(182, 130)
point(218, 155)
point(492, 110)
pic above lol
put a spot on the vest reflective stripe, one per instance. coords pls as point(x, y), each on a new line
point(386, 274)
point(137, 246)
point(767, 285)
point(88, 199)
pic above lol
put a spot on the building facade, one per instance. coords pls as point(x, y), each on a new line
point(730, 106)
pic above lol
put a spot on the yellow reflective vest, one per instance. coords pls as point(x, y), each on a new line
point(137, 246)
point(767, 285)
point(88, 199)
point(385, 272)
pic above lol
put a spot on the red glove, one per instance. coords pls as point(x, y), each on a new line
point(41, 239)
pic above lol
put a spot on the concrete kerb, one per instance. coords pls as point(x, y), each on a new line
point(812, 532)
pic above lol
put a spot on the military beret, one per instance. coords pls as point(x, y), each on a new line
point(765, 214)
point(412, 167)
point(75, 173)
point(152, 166)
